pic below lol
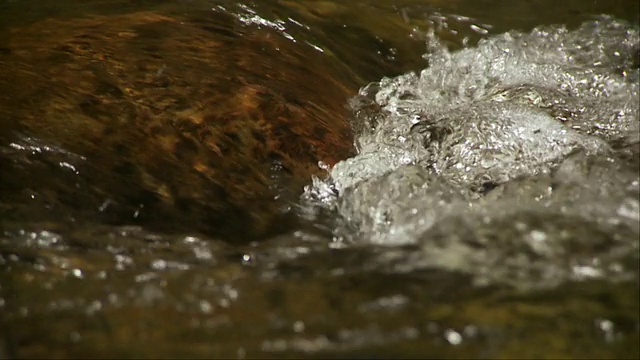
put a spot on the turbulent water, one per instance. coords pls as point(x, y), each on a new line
point(515, 161)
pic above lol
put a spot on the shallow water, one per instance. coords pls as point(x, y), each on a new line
point(153, 155)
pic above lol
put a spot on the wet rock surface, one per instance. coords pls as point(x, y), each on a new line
point(147, 113)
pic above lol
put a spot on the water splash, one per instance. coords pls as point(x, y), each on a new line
point(503, 160)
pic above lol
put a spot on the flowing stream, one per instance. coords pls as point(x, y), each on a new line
point(298, 178)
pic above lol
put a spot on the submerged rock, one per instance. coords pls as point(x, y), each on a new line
point(173, 122)
point(514, 161)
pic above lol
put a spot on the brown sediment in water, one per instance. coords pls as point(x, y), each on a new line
point(179, 121)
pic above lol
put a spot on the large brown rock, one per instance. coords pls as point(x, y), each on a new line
point(168, 122)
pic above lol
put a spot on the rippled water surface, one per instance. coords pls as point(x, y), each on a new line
point(368, 179)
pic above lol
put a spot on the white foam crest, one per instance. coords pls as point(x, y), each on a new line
point(510, 114)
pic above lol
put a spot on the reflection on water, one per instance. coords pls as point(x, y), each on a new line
point(153, 154)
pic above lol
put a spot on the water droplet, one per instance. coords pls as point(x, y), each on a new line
point(190, 239)
point(77, 273)
point(298, 326)
point(470, 331)
point(159, 264)
point(324, 166)
point(94, 307)
point(205, 307)
point(105, 205)
point(453, 337)
point(608, 328)
point(202, 253)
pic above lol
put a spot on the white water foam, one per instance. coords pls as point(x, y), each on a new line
point(435, 149)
